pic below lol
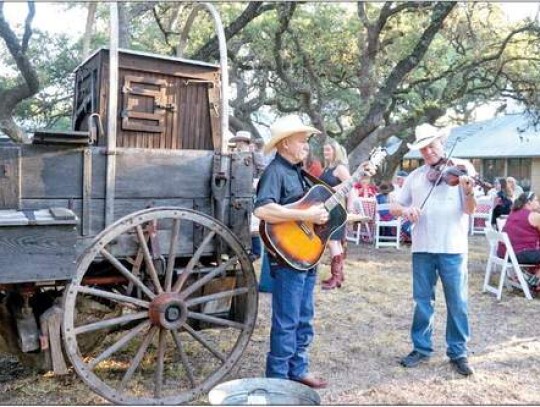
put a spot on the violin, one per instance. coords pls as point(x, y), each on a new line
point(448, 172)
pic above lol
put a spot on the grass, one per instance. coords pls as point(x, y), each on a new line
point(362, 330)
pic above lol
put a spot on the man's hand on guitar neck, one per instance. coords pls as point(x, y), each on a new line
point(368, 168)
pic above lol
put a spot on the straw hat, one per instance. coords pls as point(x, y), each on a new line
point(425, 134)
point(285, 127)
point(242, 137)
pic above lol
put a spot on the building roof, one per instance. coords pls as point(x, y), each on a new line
point(509, 136)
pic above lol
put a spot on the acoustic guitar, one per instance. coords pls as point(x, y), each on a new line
point(301, 244)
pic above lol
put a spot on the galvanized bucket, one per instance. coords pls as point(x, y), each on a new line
point(263, 391)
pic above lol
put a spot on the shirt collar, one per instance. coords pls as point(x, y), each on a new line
point(283, 161)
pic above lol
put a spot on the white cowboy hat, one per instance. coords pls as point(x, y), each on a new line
point(285, 127)
point(425, 134)
point(241, 136)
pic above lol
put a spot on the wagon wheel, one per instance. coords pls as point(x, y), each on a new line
point(175, 330)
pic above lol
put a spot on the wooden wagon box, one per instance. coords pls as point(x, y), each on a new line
point(163, 103)
point(37, 245)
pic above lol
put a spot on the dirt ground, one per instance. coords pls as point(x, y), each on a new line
point(362, 330)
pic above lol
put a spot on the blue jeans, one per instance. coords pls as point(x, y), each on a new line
point(256, 246)
point(452, 269)
point(266, 281)
point(292, 328)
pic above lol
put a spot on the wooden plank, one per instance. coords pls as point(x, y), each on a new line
point(240, 215)
point(242, 175)
point(10, 177)
point(157, 174)
point(55, 173)
point(37, 253)
point(51, 171)
point(86, 192)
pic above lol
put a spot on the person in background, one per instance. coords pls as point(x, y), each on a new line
point(243, 144)
point(259, 161)
point(439, 250)
point(241, 141)
point(311, 164)
point(386, 195)
point(523, 229)
point(397, 183)
point(365, 189)
point(514, 188)
point(492, 193)
point(334, 173)
point(503, 202)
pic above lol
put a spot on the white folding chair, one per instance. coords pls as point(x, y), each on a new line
point(390, 239)
point(500, 223)
point(510, 269)
point(481, 217)
point(361, 230)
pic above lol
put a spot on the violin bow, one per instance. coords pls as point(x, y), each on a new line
point(441, 174)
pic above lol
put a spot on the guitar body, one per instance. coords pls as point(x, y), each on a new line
point(301, 244)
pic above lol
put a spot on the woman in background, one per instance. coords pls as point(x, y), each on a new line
point(514, 188)
point(503, 202)
point(311, 164)
point(335, 172)
point(523, 229)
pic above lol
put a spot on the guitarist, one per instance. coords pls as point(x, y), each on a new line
point(292, 296)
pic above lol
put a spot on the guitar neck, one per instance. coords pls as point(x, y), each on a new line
point(338, 196)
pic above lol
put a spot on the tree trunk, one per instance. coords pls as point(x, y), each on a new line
point(89, 29)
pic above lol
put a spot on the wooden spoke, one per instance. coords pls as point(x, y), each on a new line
point(148, 259)
point(159, 364)
point(172, 254)
point(193, 261)
point(183, 358)
point(202, 281)
point(216, 320)
point(138, 357)
point(135, 270)
point(126, 273)
point(217, 296)
point(119, 298)
point(110, 322)
point(199, 338)
point(115, 347)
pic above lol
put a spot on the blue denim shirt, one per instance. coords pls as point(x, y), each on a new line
point(281, 183)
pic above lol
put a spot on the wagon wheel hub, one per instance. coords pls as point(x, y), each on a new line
point(168, 311)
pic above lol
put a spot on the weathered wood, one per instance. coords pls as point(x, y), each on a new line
point(52, 172)
point(164, 101)
point(86, 192)
point(53, 318)
point(10, 182)
point(37, 253)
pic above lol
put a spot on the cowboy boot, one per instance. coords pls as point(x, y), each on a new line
point(340, 266)
point(332, 266)
point(334, 280)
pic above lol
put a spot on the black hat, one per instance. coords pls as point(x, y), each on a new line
point(385, 187)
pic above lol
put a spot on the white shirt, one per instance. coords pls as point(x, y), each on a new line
point(443, 226)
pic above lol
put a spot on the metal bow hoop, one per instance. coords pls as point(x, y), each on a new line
point(441, 174)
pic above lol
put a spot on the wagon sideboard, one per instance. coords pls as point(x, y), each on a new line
point(40, 177)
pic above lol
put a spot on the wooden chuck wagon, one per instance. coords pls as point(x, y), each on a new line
point(130, 238)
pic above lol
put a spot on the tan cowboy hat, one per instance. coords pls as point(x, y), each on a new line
point(242, 137)
point(425, 134)
point(285, 127)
